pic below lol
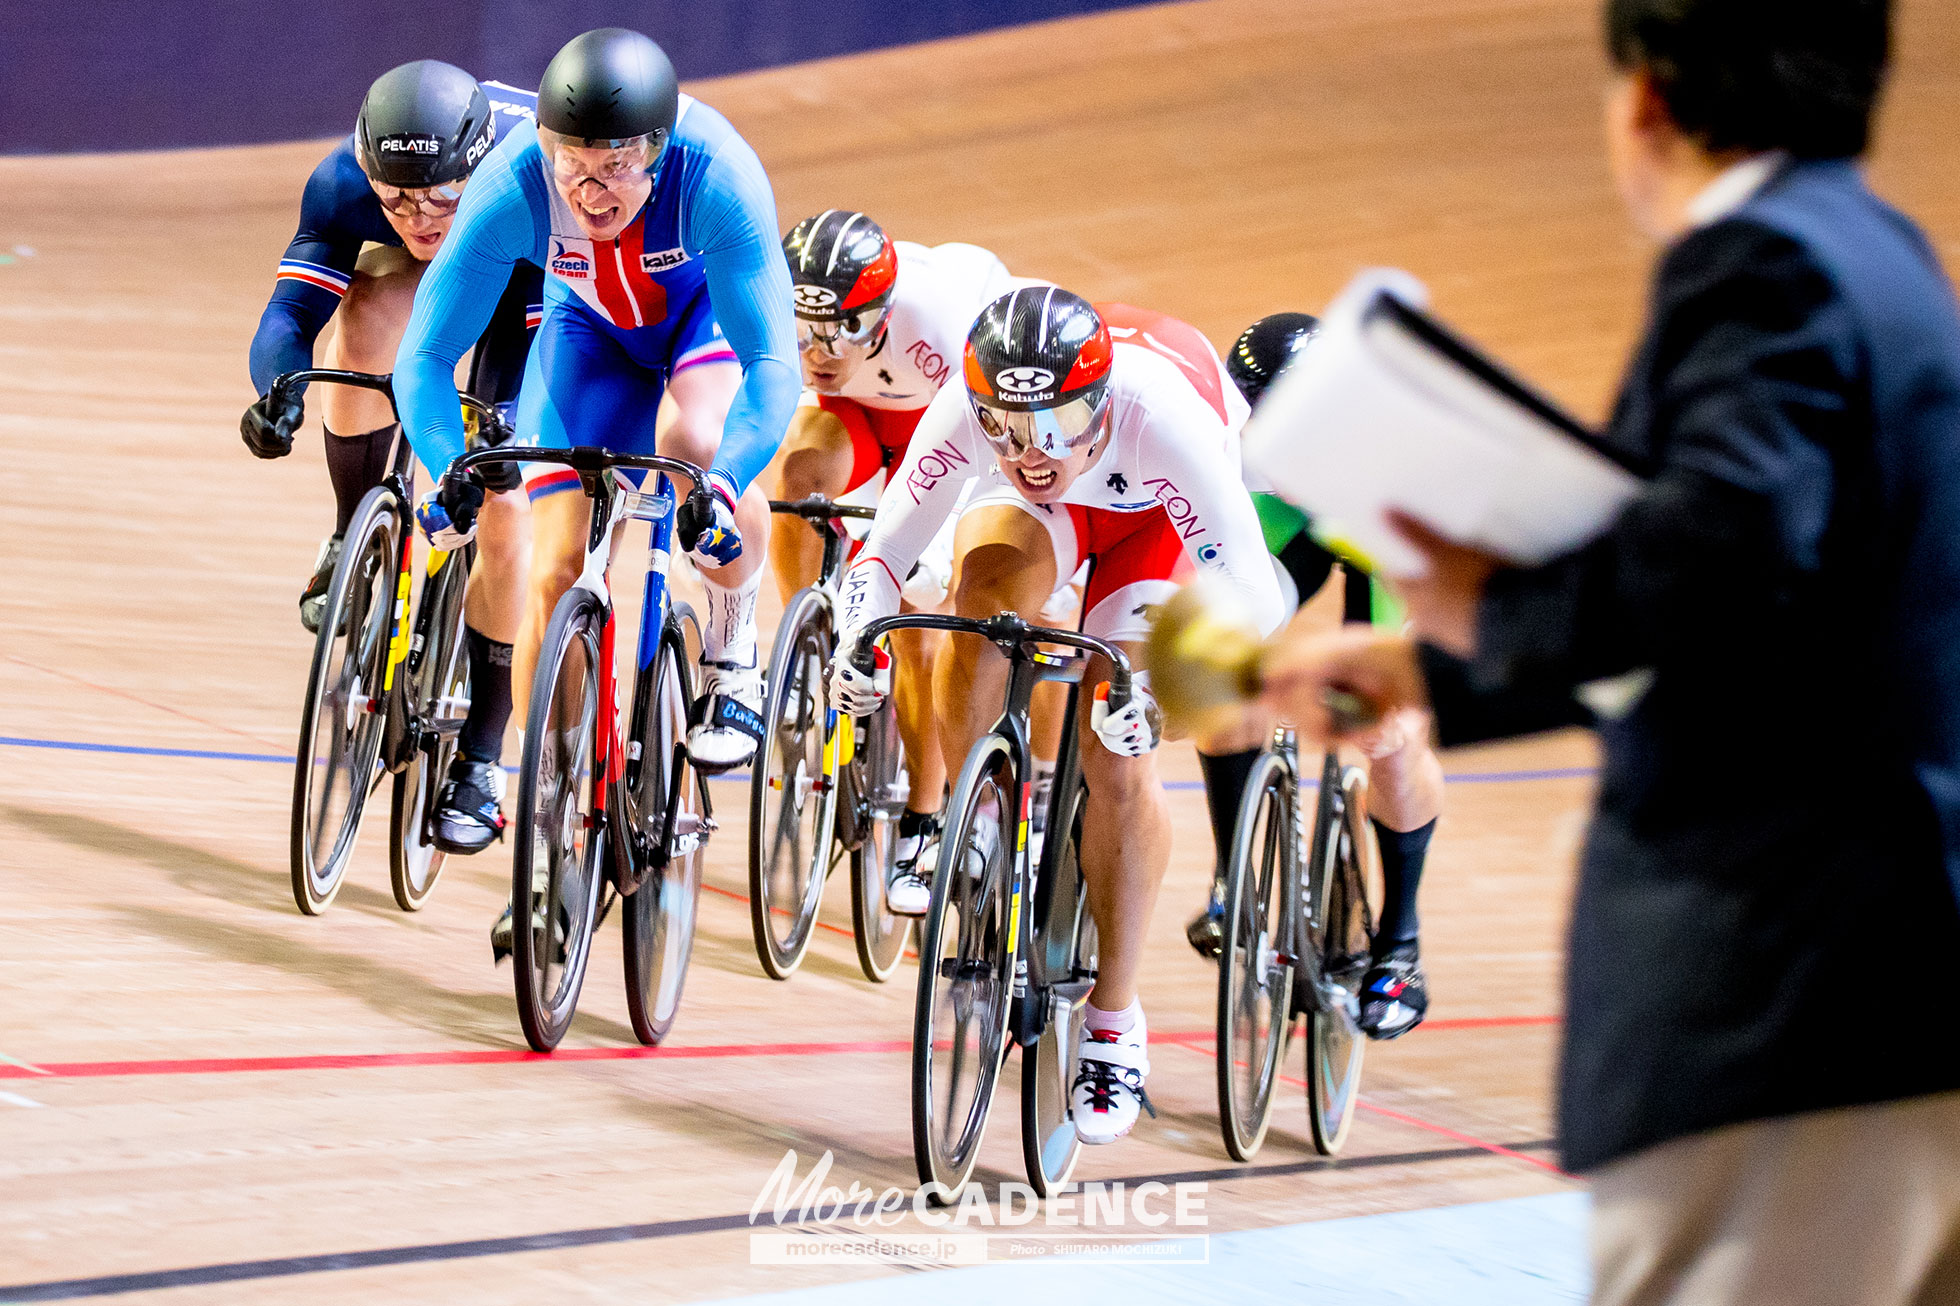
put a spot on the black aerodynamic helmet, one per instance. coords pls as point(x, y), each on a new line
point(423, 124)
point(842, 264)
point(609, 88)
point(1037, 371)
point(1265, 348)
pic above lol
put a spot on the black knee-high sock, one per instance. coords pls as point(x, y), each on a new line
point(1403, 853)
point(482, 737)
point(355, 465)
point(1225, 781)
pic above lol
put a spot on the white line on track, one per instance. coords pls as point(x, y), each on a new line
point(15, 1099)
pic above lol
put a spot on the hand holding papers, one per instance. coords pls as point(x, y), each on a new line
point(1387, 410)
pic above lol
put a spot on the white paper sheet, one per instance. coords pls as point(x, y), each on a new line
point(1374, 416)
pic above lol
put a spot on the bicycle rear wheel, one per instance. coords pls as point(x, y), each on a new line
point(1339, 924)
point(338, 762)
point(1255, 972)
point(558, 865)
point(1063, 973)
point(658, 919)
point(792, 803)
point(438, 690)
point(966, 972)
point(882, 788)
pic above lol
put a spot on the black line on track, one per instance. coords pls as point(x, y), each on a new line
point(281, 1267)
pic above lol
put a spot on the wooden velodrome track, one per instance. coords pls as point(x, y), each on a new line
point(196, 1075)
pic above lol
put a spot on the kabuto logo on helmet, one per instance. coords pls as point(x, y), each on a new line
point(410, 143)
point(815, 297)
point(1023, 380)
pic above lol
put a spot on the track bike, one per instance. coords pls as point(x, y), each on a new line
point(1007, 953)
point(1297, 932)
point(385, 695)
point(608, 807)
point(826, 786)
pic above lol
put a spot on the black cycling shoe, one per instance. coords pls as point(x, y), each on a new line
point(313, 599)
point(1206, 931)
point(469, 817)
point(1394, 994)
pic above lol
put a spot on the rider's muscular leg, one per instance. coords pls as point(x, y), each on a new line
point(1405, 798)
point(815, 459)
point(492, 613)
point(1004, 563)
point(367, 330)
point(559, 523)
point(701, 396)
point(914, 655)
point(1126, 848)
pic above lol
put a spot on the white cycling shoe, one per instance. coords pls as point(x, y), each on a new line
point(908, 890)
point(1108, 1095)
point(727, 722)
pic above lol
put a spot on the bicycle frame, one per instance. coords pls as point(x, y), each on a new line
point(616, 501)
point(1027, 667)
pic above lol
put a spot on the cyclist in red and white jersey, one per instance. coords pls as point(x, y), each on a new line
point(880, 326)
point(1107, 439)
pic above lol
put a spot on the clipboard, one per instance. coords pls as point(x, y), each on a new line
point(1387, 408)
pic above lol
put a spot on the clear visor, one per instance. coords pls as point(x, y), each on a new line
point(611, 164)
point(436, 201)
point(852, 333)
point(1057, 432)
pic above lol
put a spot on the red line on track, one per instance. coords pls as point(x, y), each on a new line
point(1198, 1040)
point(136, 698)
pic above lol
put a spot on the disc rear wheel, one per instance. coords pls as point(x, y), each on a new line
point(1340, 925)
point(341, 725)
point(792, 804)
point(882, 791)
point(658, 919)
point(1255, 969)
point(438, 700)
point(1066, 965)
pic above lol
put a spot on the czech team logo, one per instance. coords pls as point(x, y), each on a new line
point(571, 264)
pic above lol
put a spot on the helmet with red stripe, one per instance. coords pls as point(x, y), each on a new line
point(1037, 371)
point(843, 266)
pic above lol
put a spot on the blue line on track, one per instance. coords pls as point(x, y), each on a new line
point(732, 777)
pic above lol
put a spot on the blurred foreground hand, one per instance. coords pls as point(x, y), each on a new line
point(1306, 669)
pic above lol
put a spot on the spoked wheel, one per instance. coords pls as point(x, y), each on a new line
point(1340, 923)
point(1067, 946)
point(341, 725)
point(966, 973)
point(558, 865)
point(659, 916)
point(1255, 969)
point(438, 699)
point(792, 806)
point(880, 934)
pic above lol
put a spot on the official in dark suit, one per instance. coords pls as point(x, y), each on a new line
point(1760, 1070)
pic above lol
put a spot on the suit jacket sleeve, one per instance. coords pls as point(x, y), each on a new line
point(1742, 390)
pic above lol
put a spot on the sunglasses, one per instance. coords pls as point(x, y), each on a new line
point(1055, 431)
point(436, 201)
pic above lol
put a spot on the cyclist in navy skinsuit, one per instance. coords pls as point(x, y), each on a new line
point(373, 213)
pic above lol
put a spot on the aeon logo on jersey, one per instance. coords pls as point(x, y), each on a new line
point(815, 297)
point(571, 263)
point(1023, 380)
point(662, 260)
point(930, 364)
point(1182, 514)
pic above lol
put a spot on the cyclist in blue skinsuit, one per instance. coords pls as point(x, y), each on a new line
point(657, 227)
point(375, 210)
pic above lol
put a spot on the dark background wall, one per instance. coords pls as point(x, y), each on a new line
point(118, 75)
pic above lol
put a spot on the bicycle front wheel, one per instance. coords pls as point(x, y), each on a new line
point(966, 972)
point(1340, 928)
point(1255, 972)
point(438, 699)
point(883, 789)
point(558, 865)
point(659, 916)
point(339, 759)
point(792, 799)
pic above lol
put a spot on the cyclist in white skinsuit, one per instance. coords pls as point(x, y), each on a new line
point(880, 326)
point(1077, 448)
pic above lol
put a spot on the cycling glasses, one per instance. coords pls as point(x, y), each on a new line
point(853, 331)
point(611, 164)
point(1055, 431)
point(436, 201)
